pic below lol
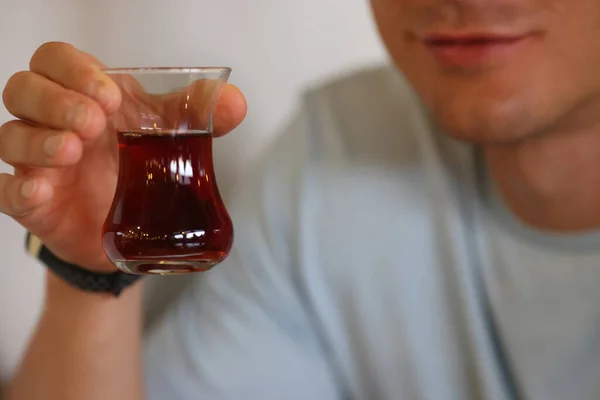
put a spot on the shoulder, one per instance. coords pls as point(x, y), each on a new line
point(363, 138)
point(365, 117)
point(373, 110)
point(370, 124)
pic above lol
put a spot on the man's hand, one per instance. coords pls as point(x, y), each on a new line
point(65, 154)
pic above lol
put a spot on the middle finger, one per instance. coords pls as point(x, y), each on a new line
point(22, 144)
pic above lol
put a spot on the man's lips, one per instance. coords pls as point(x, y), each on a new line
point(469, 50)
point(466, 39)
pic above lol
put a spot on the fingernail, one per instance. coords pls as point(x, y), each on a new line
point(99, 91)
point(53, 144)
point(28, 188)
point(79, 116)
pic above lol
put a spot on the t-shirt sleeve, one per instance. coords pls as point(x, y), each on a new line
point(242, 330)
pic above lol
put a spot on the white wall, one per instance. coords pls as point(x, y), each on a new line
point(275, 48)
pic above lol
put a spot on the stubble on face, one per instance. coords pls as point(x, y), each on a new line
point(544, 83)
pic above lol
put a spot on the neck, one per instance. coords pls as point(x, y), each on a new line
point(552, 182)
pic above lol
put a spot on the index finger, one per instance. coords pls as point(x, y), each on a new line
point(78, 71)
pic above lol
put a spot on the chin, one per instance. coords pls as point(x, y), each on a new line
point(480, 132)
point(485, 133)
point(481, 122)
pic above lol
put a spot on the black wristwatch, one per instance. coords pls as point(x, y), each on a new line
point(76, 276)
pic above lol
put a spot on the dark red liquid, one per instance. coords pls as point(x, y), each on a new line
point(167, 216)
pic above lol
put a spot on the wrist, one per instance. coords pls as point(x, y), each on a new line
point(34, 246)
point(86, 280)
point(65, 299)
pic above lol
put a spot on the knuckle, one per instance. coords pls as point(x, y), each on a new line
point(63, 108)
point(12, 203)
point(12, 144)
point(5, 134)
point(6, 199)
point(13, 86)
point(49, 105)
point(46, 53)
point(83, 73)
point(69, 111)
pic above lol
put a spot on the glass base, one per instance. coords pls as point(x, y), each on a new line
point(164, 267)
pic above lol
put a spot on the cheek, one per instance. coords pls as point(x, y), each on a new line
point(390, 17)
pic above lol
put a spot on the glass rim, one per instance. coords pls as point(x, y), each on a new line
point(167, 70)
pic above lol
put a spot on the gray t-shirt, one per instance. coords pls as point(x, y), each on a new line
point(374, 260)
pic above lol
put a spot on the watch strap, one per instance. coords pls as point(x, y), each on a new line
point(76, 276)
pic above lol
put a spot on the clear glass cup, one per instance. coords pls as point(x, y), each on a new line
point(167, 216)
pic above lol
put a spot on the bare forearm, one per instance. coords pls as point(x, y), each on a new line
point(86, 346)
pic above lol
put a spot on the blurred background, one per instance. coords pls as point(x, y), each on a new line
point(276, 49)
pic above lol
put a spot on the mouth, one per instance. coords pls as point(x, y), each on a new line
point(472, 50)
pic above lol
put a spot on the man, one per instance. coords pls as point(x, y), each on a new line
point(432, 241)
